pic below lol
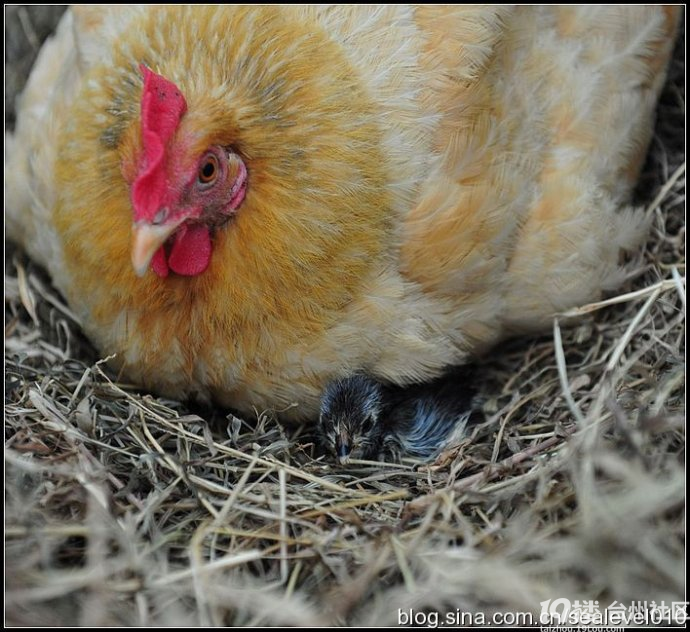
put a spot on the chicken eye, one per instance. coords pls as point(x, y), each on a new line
point(368, 424)
point(208, 171)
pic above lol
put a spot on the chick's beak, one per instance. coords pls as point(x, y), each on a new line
point(147, 239)
point(343, 448)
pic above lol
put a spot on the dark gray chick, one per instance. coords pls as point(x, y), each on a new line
point(350, 424)
point(363, 419)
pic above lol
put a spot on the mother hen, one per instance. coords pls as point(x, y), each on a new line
point(245, 202)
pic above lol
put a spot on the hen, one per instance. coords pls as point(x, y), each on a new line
point(246, 202)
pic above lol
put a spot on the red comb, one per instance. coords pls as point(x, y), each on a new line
point(162, 107)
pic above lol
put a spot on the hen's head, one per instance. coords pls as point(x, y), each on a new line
point(234, 100)
point(178, 195)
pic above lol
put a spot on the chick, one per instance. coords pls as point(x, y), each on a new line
point(351, 421)
point(363, 419)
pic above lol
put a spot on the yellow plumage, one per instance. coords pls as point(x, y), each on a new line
point(422, 182)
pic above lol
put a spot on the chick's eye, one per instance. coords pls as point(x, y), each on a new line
point(208, 170)
point(368, 424)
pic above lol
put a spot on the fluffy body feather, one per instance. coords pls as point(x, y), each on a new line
point(422, 181)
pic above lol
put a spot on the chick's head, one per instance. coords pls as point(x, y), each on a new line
point(350, 420)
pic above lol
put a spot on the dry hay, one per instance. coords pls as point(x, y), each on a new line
point(127, 509)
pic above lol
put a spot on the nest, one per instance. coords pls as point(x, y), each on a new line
point(123, 508)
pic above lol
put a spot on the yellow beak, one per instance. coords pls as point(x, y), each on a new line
point(147, 239)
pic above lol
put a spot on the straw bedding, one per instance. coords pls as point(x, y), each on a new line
point(127, 509)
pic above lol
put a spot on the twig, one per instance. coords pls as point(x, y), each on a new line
point(624, 298)
point(563, 375)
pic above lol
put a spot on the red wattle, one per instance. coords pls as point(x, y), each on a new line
point(159, 264)
point(191, 251)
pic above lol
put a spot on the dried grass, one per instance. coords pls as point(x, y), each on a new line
point(127, 509)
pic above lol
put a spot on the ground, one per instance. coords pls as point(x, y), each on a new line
point(127, 509)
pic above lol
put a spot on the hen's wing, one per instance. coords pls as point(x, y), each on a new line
point(30, 150)
point(525, 213)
